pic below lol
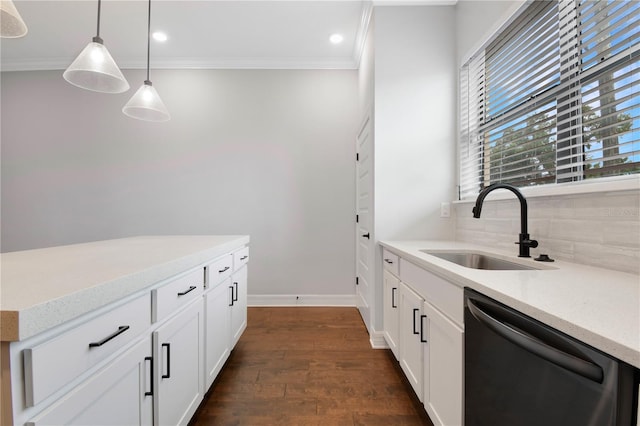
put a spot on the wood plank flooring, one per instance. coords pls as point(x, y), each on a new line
point(309, 366)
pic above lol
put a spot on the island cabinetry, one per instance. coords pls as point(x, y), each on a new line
point(391, 299)
point(139, 359)
point(118, 394)
point(178, 353)
point(50, 365)
point(217, 328)
point(217, 316)
point(238, 303)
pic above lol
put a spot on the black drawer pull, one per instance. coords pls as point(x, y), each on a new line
point(422, 339)
point(415, 311)
point(226, 268)
point(389, 261)
point(367, 236)
point(244, 257)
point(121, 330)
point(168, 346)
point(393, 297)
point(235, 299)
point(149, 393)
point(191, 288)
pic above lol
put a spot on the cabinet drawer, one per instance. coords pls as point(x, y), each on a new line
point(176, 294)
point(390, 262)
point(447, 297)
point(240, 257)
point(52, 364)
point(219, 270)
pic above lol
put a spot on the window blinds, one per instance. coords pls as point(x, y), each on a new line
point(554, 98)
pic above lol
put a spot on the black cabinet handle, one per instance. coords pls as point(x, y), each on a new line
point(168, 346)
point(243, 257)
point(121, 330)
point(235, 299)
point(223, 269)
point(232, 298)
point(422, 339)
point(367, 236)
point(149, 393)
point(415, 310)
point(393, 297)
point(191, 288)
point(389, 261)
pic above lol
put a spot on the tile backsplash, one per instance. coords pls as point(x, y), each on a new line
point(599, 229)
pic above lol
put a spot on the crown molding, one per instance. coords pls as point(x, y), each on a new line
point(193, 63)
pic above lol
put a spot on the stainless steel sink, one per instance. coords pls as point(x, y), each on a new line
point(478, 261)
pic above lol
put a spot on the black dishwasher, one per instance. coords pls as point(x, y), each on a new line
point(520, 372)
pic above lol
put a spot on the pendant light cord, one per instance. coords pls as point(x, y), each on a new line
point(148, 41)
point(97, 37)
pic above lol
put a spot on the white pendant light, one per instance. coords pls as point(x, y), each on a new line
point(146, 103)
point(94, 69)
point(11, 23)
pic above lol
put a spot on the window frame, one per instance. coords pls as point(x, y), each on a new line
point(585, 185)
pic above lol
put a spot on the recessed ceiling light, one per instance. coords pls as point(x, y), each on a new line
point(336, 38)
point(159, 36)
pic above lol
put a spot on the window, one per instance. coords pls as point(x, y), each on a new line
point(554, 98)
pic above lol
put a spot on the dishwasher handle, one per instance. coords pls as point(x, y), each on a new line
point(536, 346)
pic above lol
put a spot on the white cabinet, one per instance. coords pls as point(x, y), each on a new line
point(238, 302)
point(443, 368)
point(411, 338)
point(141, 360)
point(178, 353)
point(391, 311)
point(217, 328)
point(119, 394)
point(431, 336)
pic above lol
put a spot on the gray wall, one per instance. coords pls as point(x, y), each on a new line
point(268, 153)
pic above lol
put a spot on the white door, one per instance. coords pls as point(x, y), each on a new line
point(178, 356)
point(217, 329)
point(238, 304)
point(411, 337)
point(119, 394)
point(364, 218)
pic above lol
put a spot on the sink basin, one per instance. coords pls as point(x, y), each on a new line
point(478, 261)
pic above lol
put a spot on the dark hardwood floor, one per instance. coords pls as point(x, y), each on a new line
point(309, 366)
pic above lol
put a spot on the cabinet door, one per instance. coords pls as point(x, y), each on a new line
point(390, 312)
point(178, 352)
point(443, 388)
point(411, 347)
point(118, 394)
point(217, 329)
point(238, 304)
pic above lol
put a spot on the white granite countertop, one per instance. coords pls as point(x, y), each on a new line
point(42, 288)
point(598, 306)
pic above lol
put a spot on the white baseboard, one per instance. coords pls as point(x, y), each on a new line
point(301, 300)
point(377, 341)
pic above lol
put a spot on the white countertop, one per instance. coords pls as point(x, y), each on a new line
point(42, 288)
point(598, 306)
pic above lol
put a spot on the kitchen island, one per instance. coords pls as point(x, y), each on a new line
point(133, 303)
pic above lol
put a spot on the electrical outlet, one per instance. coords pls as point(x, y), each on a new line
point(445, 209)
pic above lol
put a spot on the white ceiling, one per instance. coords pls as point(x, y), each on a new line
point(202, 33)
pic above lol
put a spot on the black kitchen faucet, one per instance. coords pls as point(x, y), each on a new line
point(524, 241)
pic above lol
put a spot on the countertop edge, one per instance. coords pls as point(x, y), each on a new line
point(18, 325)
